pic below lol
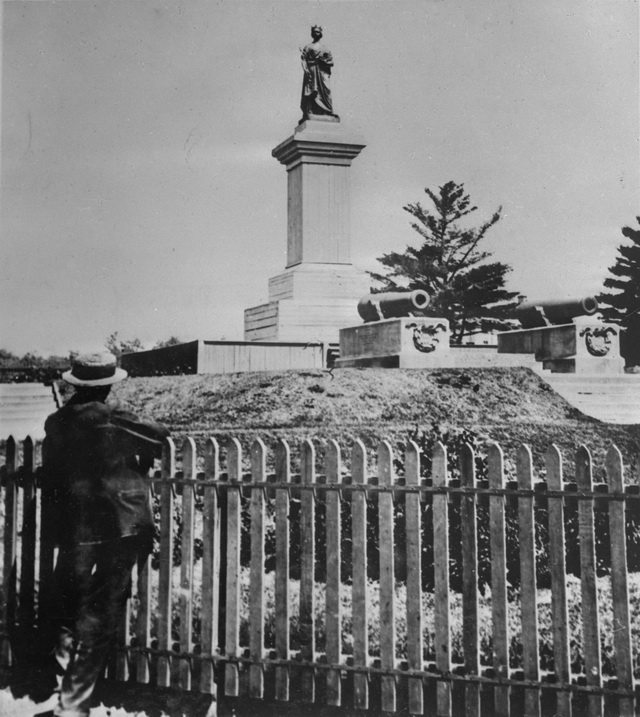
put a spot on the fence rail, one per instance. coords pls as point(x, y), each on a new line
point(372, 585)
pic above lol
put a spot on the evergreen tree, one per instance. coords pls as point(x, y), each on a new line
point(622, 305)
point(450, 267)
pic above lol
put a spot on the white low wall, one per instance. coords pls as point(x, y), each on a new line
point(237, 356)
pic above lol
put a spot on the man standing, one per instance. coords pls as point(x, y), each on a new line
point(96, 458)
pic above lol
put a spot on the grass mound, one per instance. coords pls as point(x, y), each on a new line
point(507, 405)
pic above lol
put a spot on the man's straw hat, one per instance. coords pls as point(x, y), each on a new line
point(95, 369)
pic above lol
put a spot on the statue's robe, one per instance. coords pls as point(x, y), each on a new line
point(316, 93)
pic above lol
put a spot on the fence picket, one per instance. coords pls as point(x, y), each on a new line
point(166, 561)
point(283, 475)
point(142, 626)
point(386, 545)
point(28, 546)
point(46, 542)
point(185, 601)
point(619, 587)
point(590, 620)
point(528, 594)
point(210, 565)
point(123, 643)
point(441, 593)
point(359, 569)
point(499, 606)
point(557, 566)
point(10, 547)
point(143, 621)
point(333, 469)
point(256, 576)
point(232, 602)
point(413, 537)
point(307, 570)
point(470, 635)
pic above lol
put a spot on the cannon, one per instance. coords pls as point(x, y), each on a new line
point(536, 314)
point(393, 304)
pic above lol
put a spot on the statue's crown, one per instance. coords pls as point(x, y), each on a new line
point(316, 27)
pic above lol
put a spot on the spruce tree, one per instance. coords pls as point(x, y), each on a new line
point(464, 288)
point(622, 305)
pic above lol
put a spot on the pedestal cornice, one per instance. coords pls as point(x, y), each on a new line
point(319, 143)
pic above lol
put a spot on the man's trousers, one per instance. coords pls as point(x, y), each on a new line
point(91, 583)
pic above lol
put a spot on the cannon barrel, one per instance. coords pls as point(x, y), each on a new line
point(392, 304)
point(534, 314)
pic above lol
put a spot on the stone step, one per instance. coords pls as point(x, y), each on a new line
point(588, 390)
point(463, 357)
point(624, 394)
point(24, 394)
point(24, 407)
point(602, 399)
point(619, 419)
point(38, 417)
point(25, 400)
point(21, 429)
point(601, 396)
point(623, 379)
point(613, 399)
point(627, 414)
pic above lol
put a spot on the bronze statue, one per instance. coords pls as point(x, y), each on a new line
point(317, 62)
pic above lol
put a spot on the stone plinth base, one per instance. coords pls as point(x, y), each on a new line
point(290, 320)
point(408, 342)
point(308, 302)
point(313, 282)
point(585, 346)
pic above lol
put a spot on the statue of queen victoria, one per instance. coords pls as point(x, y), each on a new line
point(317, 62)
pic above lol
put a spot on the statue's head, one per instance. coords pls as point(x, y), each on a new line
point(316, 31)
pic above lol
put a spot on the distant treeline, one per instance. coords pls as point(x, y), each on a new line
point(30, 367)
point(29, 374)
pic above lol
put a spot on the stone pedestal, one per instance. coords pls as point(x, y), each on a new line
point(586, 346)
point(407, 342)
point(319, 289)
point(308, 302)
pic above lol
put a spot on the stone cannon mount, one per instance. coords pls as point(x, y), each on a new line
point(566, 337)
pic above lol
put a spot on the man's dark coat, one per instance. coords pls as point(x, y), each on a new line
point(96, 459)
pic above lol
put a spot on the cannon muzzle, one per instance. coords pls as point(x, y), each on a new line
point(534, 314)
point(393, 304)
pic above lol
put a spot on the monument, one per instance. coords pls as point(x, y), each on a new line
point(317, 292)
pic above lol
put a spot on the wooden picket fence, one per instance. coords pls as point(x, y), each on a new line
point(225, 514)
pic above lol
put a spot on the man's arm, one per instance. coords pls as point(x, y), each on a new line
point(149, 436)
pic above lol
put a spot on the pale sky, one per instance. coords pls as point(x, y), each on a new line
point(139, 194)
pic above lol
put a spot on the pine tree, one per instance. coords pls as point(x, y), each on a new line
point(450, 267)
point(623, 305)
